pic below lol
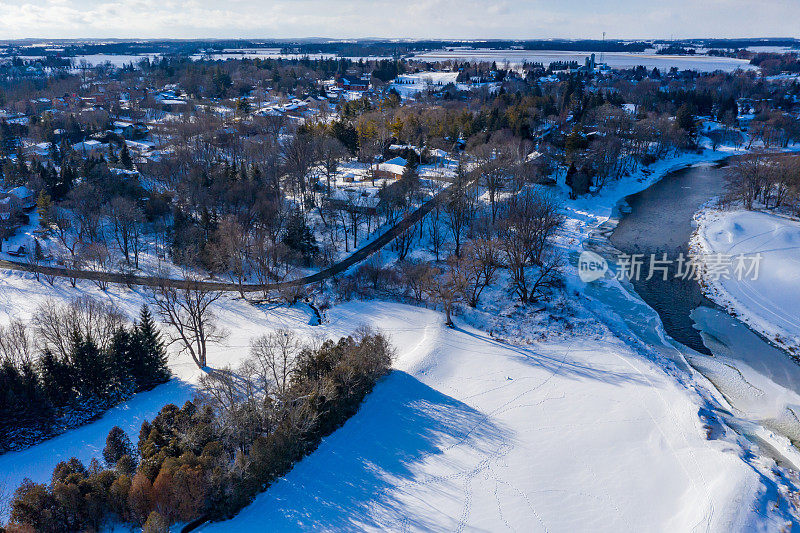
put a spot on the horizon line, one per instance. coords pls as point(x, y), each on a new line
point(400, 39)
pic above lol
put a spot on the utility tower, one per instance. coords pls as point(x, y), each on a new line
point(603, 50)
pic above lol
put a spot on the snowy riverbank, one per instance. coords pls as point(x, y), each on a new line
point(768, 302)
point(550, 431)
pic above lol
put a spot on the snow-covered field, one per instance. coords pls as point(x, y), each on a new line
point(770, 303)
point(473, 434)
point(613, 59)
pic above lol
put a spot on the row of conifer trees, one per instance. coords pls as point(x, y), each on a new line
point(43, 397)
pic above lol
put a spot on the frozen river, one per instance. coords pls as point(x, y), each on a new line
point(759, 381)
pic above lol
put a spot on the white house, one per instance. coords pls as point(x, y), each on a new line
point(39, 149)
point(90, 146)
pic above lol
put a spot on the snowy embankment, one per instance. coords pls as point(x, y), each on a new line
point(566, 430)
point(767, 300)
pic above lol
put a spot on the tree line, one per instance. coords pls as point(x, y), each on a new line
point(511, 244)
point(208, 459)
point(71, 363)
point(764, 179)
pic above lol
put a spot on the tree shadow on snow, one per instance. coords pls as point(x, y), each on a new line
point(356, 478)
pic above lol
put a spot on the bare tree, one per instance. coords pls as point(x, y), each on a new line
point(331, 151)
point(417, 276)
point(238, 405)
point(355, 208)
point(478, 267)
point(230, 251)
point(100, 261)
point(459, 208)
point(494, 169)
point(188, 311)
point(33, 257)
point(404, 241)
point(67, 235)
point(298, 156)
point(435, 234)
point(126, 223)
point(546, 275)
point(16, 343)
point(273, 361)
point(86, 204)
point(447, 289)
point(54, 323)
point(529, 219)
point(747, 177)
point(65, 231)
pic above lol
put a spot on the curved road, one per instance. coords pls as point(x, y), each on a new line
point(154, 281)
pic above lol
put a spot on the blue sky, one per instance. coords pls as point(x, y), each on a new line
point(398, 18)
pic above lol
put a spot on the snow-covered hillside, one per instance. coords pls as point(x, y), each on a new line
point(470, 433)
point(578, 432)
point(473, 434)
point(770, 303)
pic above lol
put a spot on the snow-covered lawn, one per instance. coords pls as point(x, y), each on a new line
point(770, 303)
point(473, 434)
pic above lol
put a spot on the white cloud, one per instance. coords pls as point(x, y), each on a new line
point(384, 18)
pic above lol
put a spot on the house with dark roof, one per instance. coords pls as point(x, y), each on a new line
point(352, 83)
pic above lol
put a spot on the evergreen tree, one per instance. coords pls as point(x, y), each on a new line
point(686, 120)
point(91, 371)
point(299, 236)
point(57, 379)
point(152, 355)
point(12, 404)
point(54, 152)
point(118, 444)
point(32, 398)
point(125, 157)
point(122, 358)
point(346, 134)
point(44, 207)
